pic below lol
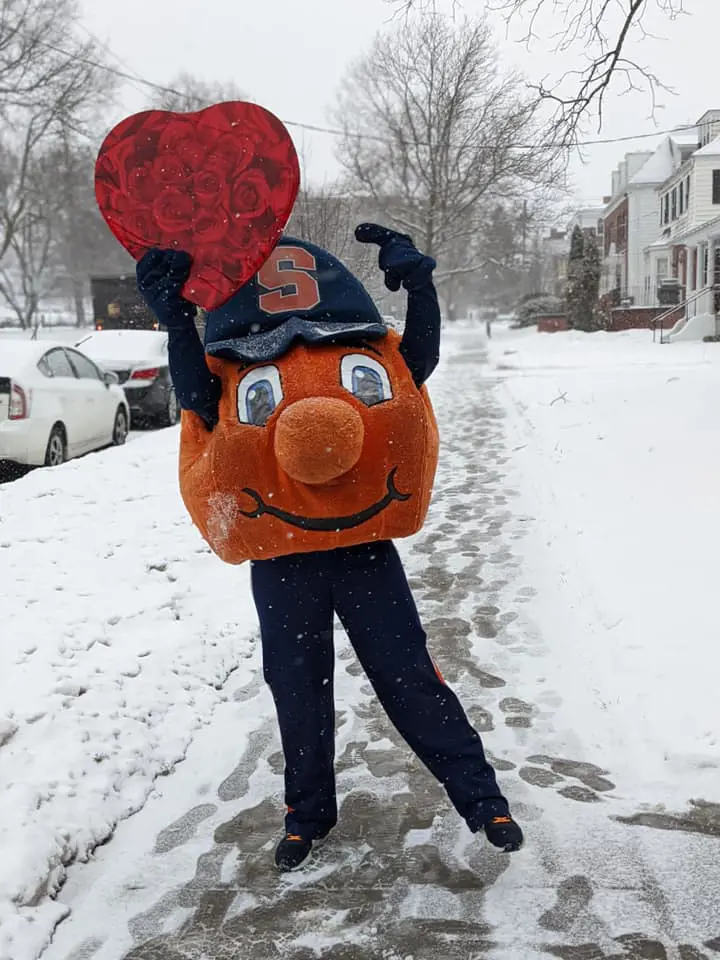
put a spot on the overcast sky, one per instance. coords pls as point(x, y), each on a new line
point(289, 55)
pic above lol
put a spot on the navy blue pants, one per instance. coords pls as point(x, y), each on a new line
point(296, 598)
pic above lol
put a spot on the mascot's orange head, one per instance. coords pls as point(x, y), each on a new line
point(323, 440)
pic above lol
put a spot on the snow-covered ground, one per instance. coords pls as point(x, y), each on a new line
point(616, 448)
point(566, 577)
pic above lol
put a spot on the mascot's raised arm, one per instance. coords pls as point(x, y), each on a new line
point(308, 443)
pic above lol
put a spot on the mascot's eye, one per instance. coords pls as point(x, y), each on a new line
point(366, 379)
point(259, 392)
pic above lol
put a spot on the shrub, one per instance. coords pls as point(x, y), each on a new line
point(527, 311)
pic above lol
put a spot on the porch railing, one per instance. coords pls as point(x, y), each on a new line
point(658, 324)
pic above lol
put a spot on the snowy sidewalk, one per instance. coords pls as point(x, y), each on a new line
point(531, 580)
point(192, 875)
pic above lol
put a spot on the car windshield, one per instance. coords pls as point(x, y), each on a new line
point(124, 346)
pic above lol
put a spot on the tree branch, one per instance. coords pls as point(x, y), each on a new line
point(598, 31)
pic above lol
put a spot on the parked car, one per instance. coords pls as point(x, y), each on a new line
point(55, 403)
point(140, 360)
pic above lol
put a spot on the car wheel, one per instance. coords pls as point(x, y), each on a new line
point(56, 451)
point(120, 430)
point(171, 414)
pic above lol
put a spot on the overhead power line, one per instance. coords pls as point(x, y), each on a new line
point(135, 79)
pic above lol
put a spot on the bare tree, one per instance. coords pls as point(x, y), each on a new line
point(327, 216)
point(324, 216)
point(187, 93)
point(50, 82)
point(436, 133)
point(82, 243)
point(511, 254)
point(599, 32)
point(27, 273)
point(407, 7)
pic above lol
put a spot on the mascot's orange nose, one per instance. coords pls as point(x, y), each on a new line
point(318, 439)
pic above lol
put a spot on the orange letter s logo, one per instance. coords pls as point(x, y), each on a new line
point(287, 282)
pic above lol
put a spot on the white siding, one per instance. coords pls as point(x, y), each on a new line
point(692, 213)
point(684, 222)
point(623, 168)
point(642, 231)
point(702, 207)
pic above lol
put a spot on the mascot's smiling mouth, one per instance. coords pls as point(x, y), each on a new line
point(327, 523)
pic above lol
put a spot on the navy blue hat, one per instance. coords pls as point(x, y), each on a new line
point(309, 296)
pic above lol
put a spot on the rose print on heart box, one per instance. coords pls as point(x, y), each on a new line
point(219, 184)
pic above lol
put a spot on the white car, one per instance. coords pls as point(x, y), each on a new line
point(55, 403)
point(140, 360)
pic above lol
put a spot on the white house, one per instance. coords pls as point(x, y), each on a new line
point(589, 219)
point(616, 258)
point(630, 216)
point(687, 246)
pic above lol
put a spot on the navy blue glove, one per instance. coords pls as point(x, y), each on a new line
point(161, 275)
point(399, 259)
point(404, 265)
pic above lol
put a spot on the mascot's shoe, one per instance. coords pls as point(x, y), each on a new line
point(293, 851)
point(504, 833)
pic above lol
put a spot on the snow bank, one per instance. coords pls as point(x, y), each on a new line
point(119, 629)
point(546, 352)
point(616, 454)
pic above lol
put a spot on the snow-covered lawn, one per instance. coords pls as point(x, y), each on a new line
point(616, 453)
point(113, 653)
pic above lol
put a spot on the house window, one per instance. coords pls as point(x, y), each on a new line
point(687, 193)
point(673, 204)
point(666, 208)
point(681, 199)
point(662, 268)
point(716, 186)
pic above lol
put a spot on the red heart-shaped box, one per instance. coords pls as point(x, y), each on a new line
point(219, 184)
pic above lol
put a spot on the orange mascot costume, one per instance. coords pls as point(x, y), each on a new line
point(308, 443)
